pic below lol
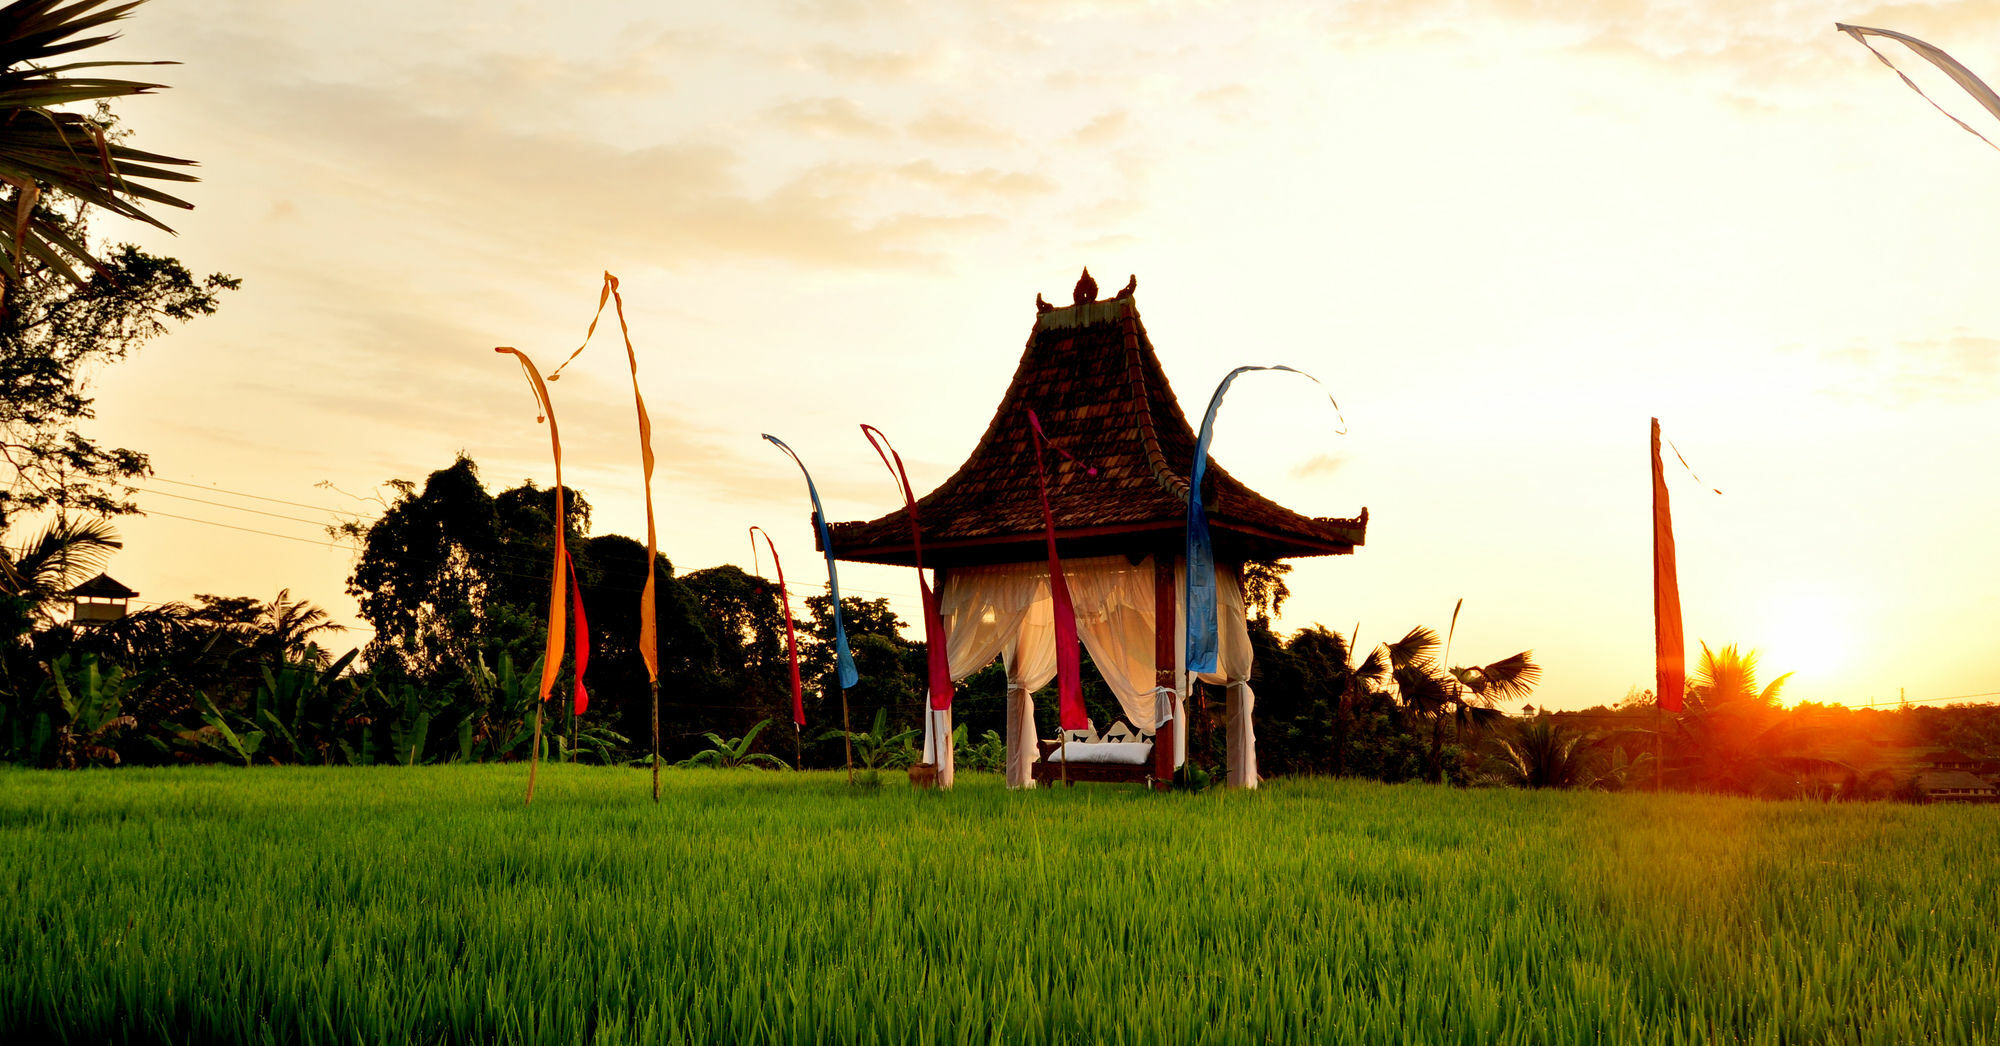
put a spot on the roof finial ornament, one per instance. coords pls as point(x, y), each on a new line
point(1131, 286)
point(1086, 288)
point(1042, 306)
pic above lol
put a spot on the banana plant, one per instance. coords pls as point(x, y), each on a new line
point(302, 709)
point(734, 752)
point(503, 720)
point(92, 703)
point(877, 749)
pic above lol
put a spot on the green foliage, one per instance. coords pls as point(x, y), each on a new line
point(734, 752)
point(877, 748)
point(74, 718)
point(989, 755)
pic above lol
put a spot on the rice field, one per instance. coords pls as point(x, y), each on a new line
point(375, 905)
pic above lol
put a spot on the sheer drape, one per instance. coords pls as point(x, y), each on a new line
point(1006, 610)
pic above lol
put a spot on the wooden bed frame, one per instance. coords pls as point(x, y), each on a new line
point(1159, 771)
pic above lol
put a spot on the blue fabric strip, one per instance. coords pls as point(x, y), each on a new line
point(843, 660)
point(1200, 584)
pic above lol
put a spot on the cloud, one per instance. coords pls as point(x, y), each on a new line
point(867, 65)
point(985, 181)
point(827, 118)
point(1960, 368)
point(517, 189)
point(1318, 465)
point(1104, 128)
point(942, 128)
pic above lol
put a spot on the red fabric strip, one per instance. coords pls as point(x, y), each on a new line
point(937, 654)
point(791, 634)
point(1070, 714)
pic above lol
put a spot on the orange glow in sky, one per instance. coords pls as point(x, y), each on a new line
point(1504, 237)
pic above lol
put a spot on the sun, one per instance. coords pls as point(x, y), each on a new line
point(1809, 631)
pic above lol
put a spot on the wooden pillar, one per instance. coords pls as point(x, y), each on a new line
point(1165, 623)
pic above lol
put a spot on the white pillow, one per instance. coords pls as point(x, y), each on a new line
point(1125, 753)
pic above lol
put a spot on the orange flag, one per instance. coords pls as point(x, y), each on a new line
point(1669, 648)
point(649, 640)
point(558, 579)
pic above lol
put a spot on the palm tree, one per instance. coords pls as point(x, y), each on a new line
point(1464, 695)
point(63, 554)
point(1541, 753)
point(44, 151)
point(287, 625)
point(1734, 737)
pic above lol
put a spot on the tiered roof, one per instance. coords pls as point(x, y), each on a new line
point(1090, 374)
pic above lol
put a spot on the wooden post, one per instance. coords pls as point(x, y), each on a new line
point(847, 734)
point(656, 739)
point(1164, 625)
point(535, 752)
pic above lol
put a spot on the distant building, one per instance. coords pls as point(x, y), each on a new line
point(1956, 786)
point(99, 600)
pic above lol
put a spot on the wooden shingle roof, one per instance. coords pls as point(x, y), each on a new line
point(1090, 374)
point(103, 586)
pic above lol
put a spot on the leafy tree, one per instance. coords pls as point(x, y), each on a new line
point(1264, 588)
point(1734, 737)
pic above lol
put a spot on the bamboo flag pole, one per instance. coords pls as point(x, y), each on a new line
point(649, 638)
point(552, 652)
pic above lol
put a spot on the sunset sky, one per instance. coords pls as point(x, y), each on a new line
point(1503, 236)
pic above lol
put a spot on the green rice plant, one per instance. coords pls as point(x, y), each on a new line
point(389, 904)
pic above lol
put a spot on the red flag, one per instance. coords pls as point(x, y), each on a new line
point(938, 654)
point(1669, 648)
point(1069, 667)
point(582, 640)
point(791, 635)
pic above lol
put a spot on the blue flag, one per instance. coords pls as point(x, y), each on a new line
point(1200, 590)
point(843, 660)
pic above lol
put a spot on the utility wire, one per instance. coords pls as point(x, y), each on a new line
point(254, 497)
point(232, 508)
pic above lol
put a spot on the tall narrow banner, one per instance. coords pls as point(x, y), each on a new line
point(581, 644)
point(938, 655)
point(1070, 714)
point(843, 660)
point(649, 640)
point(1959, 74)
point(791, 634)
point(1669, 648)
point(1200, 584)
point(552, 652)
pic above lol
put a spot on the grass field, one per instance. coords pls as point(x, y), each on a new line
point(427, 905)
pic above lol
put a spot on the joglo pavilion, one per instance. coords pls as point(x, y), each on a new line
point(1089, 371)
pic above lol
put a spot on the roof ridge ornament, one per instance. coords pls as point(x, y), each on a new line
point(1086, 289)
point(1131, 286)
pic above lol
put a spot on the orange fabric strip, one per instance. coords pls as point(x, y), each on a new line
point(552, 653)
point(1669, 647)
point(649, 639)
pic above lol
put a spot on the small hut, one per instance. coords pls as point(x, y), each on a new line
point(99, 600)
point(1090, 373)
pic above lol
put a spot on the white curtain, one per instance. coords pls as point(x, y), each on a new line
point(1006, 610)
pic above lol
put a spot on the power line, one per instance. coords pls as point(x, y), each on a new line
point(232, 508)
point(251, 530)
point(255, 497)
